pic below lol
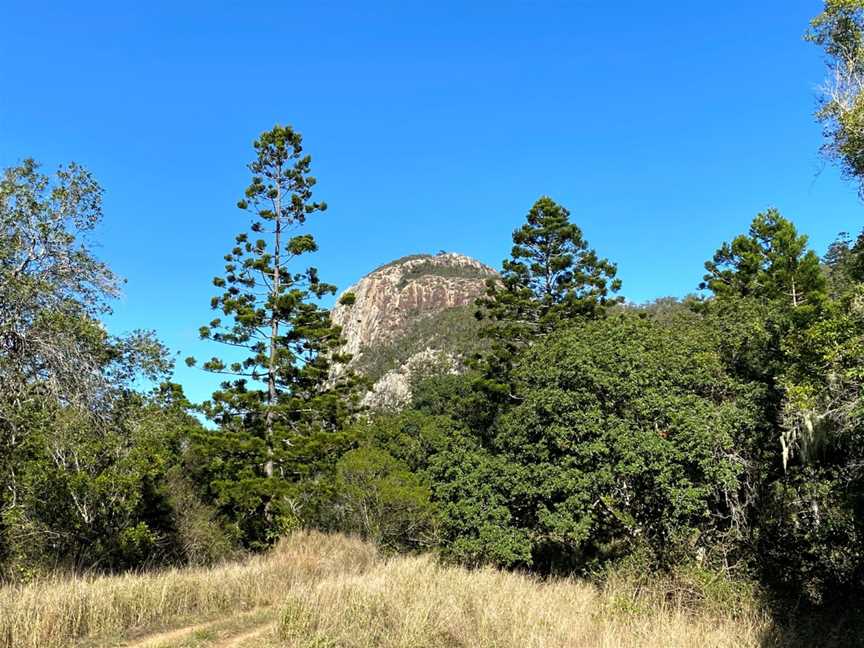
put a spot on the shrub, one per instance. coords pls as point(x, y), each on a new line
point(382, 500)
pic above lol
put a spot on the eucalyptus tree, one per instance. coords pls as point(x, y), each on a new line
point(51, 285)
point(839, 30)
point(73, 461)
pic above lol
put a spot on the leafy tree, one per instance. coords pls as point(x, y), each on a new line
point(666, 309)
point(89, 493)
point(51, 285)
point(839, 30)
point(381, 499)
point(473, 489)
point(626, 439)
point(810, 527)
point(800, 350)
point(770, 292)
point(844, 262)
point(80, 450)
point(283, 396)
point(768, 287)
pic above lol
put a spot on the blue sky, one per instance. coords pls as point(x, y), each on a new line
point(663, 127)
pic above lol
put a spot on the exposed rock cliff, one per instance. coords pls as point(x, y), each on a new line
point(401, 316)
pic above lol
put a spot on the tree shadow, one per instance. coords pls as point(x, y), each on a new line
point(836, 625)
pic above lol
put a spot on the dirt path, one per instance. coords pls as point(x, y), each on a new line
point(241, 641)
point(165, 638)
point(231, 632)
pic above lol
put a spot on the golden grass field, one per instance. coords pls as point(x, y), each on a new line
point(317, 590)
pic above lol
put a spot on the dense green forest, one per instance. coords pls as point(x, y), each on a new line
point(724, 430)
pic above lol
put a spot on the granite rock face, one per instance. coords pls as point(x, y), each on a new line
point(410, 307)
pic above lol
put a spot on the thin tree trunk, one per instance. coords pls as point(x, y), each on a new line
point(274, 327)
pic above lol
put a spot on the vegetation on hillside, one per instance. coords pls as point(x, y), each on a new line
point(430, 268)
point(454, 330)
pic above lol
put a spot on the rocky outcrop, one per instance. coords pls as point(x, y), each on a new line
point(407, 308)
point(393, 390)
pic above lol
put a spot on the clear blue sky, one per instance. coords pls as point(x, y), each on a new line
point(663, 127)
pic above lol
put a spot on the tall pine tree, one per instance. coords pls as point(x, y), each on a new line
point(281, 409)
point(551, 276)
point(552, 279)
point(770, 262)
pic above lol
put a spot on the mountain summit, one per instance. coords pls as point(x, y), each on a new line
point(411, 316)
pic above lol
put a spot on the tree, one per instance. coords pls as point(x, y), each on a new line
point(770, 262)
point(767, 287)
point(798, 345)
point(284, 393)
point(51, 285)
point(839, 30)
point(844, 262)
point(552, 275)
point(626, 440)
point(382, 500)
point(810, 534)
point(80, 448)
point(552, 278)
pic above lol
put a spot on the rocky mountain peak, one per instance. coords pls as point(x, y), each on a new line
point(414, 306)
point(381, 305)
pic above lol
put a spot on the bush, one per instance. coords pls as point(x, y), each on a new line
point(382, 500)
point(200, 536)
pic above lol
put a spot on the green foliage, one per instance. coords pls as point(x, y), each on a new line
point(811, 529)
point(552, 275)
point(199, 535)
point(844, 263)
point(441, 270)
point(839, 30)
point(624, 437)
point(552, 278)
point(91, 493)
point(277, 413)
point(771, 262)
point(381, 499)
point(44, 258)
point(474, 489)
point(454, 329)
point(381, 487)
point(82, 454)
point(451, 395)
point(401, 260)
point(802, 350)
point(665, 309)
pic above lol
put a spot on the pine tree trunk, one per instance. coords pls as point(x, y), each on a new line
point(274, 327)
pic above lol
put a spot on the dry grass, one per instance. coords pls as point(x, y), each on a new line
point(338, 592)
point(54, 613)
point(416, 603)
